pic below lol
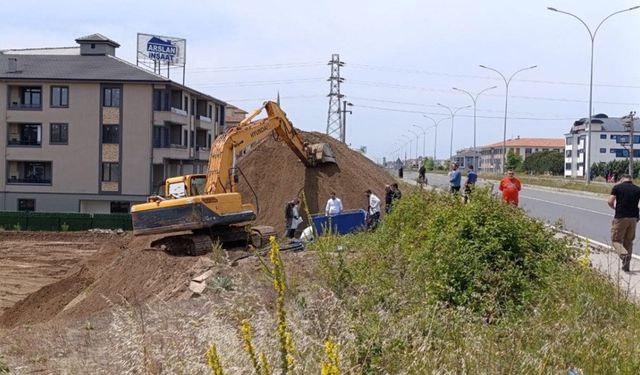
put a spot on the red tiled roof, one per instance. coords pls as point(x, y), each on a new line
point(530, 142)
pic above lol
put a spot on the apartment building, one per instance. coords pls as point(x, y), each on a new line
point(491, 155)
point(84, 131)
point(609, 141)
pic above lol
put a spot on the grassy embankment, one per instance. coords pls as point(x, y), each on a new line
point(443, 287)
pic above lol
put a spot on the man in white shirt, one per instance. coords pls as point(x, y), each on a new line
point(373, 211)
point(334, 205)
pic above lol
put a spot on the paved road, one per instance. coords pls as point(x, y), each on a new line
point(583, 214)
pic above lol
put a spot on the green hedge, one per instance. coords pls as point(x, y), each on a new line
point(54, 221)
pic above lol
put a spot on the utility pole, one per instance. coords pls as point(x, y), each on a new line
point(343, 132)
point(628, 123)
point(334, 116)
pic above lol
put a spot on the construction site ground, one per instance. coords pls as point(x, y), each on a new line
point(107, 303)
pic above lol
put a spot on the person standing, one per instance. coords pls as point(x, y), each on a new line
point(510, 187)
point(422, 175)
point(292, 217)
point(454, 178)
point(373, 211)
point(388, 198)
point(401, 172)
point(472, 177)
point(624, 200)
point(334, 205)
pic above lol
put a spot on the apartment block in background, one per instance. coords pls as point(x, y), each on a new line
point(84, 131)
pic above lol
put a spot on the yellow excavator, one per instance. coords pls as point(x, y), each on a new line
point(208, 205)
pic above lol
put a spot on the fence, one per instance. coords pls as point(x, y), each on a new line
point(54, 221)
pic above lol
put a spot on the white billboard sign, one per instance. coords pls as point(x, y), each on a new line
point(162, 49)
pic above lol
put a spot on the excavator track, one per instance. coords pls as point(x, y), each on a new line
point(260, 234)
point(187, 244)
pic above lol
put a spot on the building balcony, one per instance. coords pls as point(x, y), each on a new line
point(29, 172)
point(204, 122)
point(15, 106)
point(175, 152)
point(175, 115)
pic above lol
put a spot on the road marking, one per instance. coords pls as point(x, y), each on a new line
point(568, 206)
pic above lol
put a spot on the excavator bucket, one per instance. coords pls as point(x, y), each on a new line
point(322, 153)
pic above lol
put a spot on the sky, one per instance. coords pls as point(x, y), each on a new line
point(401, 59)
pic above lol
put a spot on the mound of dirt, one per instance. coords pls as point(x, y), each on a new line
point(277, 175)
point(121, 272)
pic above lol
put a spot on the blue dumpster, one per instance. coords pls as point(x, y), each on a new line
point(346, 222)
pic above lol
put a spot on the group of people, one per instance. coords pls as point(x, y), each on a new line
point(510, 185)
point(334, 207)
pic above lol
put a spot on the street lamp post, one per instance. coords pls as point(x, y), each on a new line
point(474, 99)
point(506, 102)
point(435, 136)
point(417, 140)
point(343, 133)
point(592, 35)
point(453, 115)
point(405, 154)
point(424, 140)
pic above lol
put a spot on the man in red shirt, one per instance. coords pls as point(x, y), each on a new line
point(510, 187)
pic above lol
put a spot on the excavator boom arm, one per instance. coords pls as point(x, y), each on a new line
point(227, 146)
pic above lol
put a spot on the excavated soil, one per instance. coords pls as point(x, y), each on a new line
point(48, 276)
point(106, 269)
point(277, 175)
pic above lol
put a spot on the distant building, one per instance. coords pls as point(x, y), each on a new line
point(491, 155)
point(464, 157)
point(608, 139)
point(85, 131)
point(233, 116)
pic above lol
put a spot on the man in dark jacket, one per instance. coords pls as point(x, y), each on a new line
point(388, 198)
point(624, 200)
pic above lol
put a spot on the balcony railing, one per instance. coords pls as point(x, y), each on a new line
point(24, 142)
point(24, 106)
point(28, 180)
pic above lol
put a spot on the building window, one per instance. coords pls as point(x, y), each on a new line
point(567, 166)
point(59, 134)
point(31, 97)
point(59, 96)
point(111, 172)
point(186, 104)
point(603, 150)
point(29, 172)
point(567, 153)
point(26, 204)
point(603, 136)
point(111, 134)
point(24, 134)
point(527, 151)
point(111, 97)
point(120, 207)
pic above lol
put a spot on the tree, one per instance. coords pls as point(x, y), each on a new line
point(544, 162)
point(429, 164)
point(514, 161)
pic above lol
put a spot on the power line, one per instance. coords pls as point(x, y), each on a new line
point(470, 76)
point(420, 88)
point(461, 115)
point(436, 106)
point(259, 83)
point(254, 67)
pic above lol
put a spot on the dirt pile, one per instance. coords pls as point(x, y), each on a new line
point(122, 271)
point(277, 176)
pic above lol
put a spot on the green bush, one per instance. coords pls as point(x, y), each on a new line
point(444, 287)
point(484, 256)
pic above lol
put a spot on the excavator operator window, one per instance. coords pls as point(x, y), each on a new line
point(177, 190)
point(197, 185)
